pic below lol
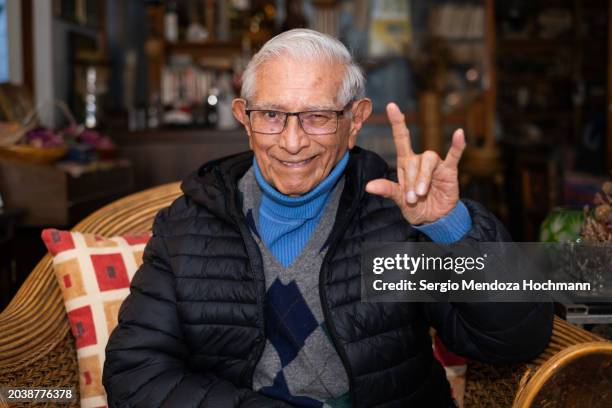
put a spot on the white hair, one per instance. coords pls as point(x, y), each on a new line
point(308, 45)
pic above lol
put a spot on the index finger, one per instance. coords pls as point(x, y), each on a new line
point(401, 135)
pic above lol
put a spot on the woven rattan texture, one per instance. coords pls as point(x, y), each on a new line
point(495, 386)
point(56, 368)
point(490, 385)
point(36, 347)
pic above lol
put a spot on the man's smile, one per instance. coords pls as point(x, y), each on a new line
point(297, 163)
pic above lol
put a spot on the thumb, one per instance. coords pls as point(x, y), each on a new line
point(384, 188)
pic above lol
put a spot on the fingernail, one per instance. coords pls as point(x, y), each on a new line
point(421, 188)
point(411, 197)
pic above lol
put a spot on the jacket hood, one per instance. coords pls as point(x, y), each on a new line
point(215, 184)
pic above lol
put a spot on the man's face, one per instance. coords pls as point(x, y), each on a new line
point(295, 162)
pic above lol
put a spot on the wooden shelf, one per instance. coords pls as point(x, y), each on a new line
point(205, 50)
point(531, 115)
point(178, 135)
point(381, 118)
point(456, 118)
point(532, 45)
point(475, 41)
point(207, 46)
point(532, 78)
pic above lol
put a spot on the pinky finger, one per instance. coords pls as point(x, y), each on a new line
point(456, 150)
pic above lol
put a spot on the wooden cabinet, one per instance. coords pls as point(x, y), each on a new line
point(42, 196)
point(168, 155)
point(53, 197)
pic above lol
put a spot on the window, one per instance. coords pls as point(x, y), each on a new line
point(4, 51)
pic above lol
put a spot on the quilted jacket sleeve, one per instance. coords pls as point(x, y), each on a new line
point(146, 354)
point(492, 332)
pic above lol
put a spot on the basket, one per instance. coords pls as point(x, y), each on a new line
point(12, 132)
point(34, 155)
point(10, 138)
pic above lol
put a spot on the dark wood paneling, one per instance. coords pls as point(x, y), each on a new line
point(164, 156)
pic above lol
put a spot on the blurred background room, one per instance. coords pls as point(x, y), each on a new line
point(99, 99)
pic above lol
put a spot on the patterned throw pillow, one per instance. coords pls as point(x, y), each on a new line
point(94, 274)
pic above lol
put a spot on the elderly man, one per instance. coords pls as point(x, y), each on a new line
point(249, 295)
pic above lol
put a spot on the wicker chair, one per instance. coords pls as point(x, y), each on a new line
point(37, 348)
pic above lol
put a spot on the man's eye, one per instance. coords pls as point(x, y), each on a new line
point(271, 115)
point(318, 116)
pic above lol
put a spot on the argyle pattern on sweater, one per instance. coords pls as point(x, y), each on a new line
point(299, 364)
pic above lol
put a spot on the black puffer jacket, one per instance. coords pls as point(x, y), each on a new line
point(192, 329)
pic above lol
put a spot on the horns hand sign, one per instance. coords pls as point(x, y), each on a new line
point(427, 187)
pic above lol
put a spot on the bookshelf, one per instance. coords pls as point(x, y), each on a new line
point(553, 97)
point(196, 51)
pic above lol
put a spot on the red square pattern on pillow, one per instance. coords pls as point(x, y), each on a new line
point(137, 239)
point(110, 271)
point(82, 326)
point(57, 241)
point(86, 265)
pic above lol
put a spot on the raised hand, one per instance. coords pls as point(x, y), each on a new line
point(427, 187)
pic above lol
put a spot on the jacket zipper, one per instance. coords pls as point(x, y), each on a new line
point(249, 244)
point(246, 236)
point(326, 314)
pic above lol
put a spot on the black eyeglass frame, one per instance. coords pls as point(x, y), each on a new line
point(338, 113)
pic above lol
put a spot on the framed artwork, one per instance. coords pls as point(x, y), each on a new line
point(15, 102)
point(390, 28)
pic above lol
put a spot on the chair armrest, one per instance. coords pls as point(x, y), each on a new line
point(498, 385)
point(577, 376)
point(36, 347)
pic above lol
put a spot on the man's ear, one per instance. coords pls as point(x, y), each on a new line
point(239, 111)
point(362, 109)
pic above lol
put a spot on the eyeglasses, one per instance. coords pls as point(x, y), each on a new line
point(272, 122)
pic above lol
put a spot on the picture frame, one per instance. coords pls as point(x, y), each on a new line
point(16, 102)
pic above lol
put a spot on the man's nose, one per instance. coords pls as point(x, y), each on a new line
point(293, 139)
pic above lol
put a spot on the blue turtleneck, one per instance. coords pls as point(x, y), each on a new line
point(286, 223)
